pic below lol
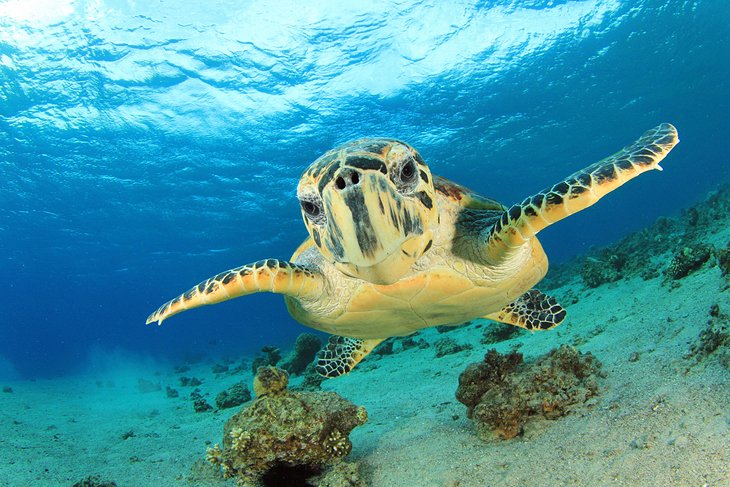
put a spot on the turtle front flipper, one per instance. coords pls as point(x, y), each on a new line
point(531, 311)
point(341, 354)
point(276, 276)
point(579, 191)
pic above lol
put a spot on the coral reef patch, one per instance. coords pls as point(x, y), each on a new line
point(499, 332)
point(234, 396)
point(714, 339)
point(687, 260)
point(94, 481)
point(269, 355)
point(306, 347)
point(670, 247)
point(448, 346)
point(312, 380)
point(502, 392)
point(190, 381)
point(607, 268)
point(285, 434)
point(200, 405)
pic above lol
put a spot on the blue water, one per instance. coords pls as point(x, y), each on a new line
point(145, 146)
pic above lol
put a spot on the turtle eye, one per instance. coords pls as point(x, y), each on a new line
point(313, 210)
point(407, 176)
point(408, 171)
point(310, 208)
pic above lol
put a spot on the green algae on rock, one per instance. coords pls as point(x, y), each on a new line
point(502, 393)
point(298, 432)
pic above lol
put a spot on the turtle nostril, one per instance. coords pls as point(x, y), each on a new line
point(347, 177)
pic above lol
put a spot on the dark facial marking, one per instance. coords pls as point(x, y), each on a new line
point(411, 225)
point(366, 163)
point(334, 241)
point(419, 159)
point(394, 218)
point(424, 198)
point(316, 237)
point(327, 177)
point(424, 176)
point(366, 238)
point(428, 246)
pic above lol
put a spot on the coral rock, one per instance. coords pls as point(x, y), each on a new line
point(299, 433)
point(448, 346)
point(502, 393)
point(200, 405)
point(94, 481)
point(269, 355)
point(270, 380)
point(341, 474)
point(714, 339)
point(687, 260)
point(234, 396)
point(219, 368)
point(499, 332)
point(596, 272)
point(305, 349)
point(312, 380)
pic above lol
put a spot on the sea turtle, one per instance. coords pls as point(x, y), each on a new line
point(393, 249)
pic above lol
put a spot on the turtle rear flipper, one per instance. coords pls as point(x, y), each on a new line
point(342, 354)
point(271, 275)
point(579, 191)
point(531, 311)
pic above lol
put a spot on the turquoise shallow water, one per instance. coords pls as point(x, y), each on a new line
point(145, 147)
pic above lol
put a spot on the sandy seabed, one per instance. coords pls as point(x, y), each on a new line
point(662, 417)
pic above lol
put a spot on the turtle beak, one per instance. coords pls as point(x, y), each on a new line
point(392, 268)
point(372, 232)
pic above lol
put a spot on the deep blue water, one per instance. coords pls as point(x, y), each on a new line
point(145, 146)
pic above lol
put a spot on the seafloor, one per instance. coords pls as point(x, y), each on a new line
point(653, 309)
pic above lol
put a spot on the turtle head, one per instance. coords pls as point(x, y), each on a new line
point(370, 208)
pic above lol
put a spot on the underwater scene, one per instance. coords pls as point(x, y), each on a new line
point(388, 214)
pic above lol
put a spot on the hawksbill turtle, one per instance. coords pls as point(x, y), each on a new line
point(393, 249)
